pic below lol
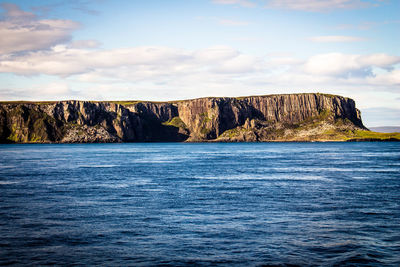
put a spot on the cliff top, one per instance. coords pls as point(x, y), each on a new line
point(132, 102)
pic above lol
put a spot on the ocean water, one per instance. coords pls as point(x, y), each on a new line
point(178, 204)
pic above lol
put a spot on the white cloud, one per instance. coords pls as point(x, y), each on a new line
point(64, 61)
point(215, 53)
point(162, 64)
point(164, 73)
point(244, 3)
point(386, 79)
point(239, 64)
point(52, 91)
point(319, 5)
point(84, 44)
point(336, 39)
point(284, 61)
point(22, 31)
point(379, 60)
point(338, 64)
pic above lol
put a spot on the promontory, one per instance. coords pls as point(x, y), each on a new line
point(284, 117)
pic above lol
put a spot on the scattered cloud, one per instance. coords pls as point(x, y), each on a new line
point(23, 31)
point(243, 3)
point(336, 39)
point(320, 5)
point(13, 12)
point(304, 5)
point(83, 6)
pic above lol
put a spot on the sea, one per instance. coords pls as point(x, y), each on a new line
point(200, 204)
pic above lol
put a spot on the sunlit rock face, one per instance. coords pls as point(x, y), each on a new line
point(290, 117)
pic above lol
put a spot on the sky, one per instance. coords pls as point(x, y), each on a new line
point(181, 49)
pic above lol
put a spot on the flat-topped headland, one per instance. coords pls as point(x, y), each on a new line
point(283, 117)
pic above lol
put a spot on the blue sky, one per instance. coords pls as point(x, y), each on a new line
point(165, 50)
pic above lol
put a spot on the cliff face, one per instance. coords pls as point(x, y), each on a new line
point(255, 118)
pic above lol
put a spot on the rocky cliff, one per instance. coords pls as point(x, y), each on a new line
point(290, 117)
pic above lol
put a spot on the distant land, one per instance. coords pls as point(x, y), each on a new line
point(284, 117)
point(386, 129)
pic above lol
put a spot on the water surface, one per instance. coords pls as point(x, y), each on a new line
point(205, 204)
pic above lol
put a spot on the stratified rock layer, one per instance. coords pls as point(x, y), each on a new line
point(290, 117)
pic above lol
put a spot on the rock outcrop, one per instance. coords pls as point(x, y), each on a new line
point(290, 117)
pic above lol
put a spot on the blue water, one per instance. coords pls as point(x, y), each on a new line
point(245, 204)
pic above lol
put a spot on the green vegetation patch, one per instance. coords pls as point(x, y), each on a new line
point(34, 138)
point(205, 131)
point(31, 125)
point(363, 134)
point(324, 114)
point(13, 137)
point(125, 103)
point(204, 117)
point(204, 120)
point(275, 95)
point(45, 103)
point(175, 122)
point(344, 135)
point(335, 135)
point(311, 122)
point(234, 132)
point(327, 95)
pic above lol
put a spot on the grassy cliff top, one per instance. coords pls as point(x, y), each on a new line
point(133, 102)
point(369, 135)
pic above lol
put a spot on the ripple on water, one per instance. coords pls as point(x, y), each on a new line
point(8, 182)
point(98, 166)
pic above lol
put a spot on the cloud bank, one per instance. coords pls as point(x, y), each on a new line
point(23, 31)
point(213, 67)
point(156, 61)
